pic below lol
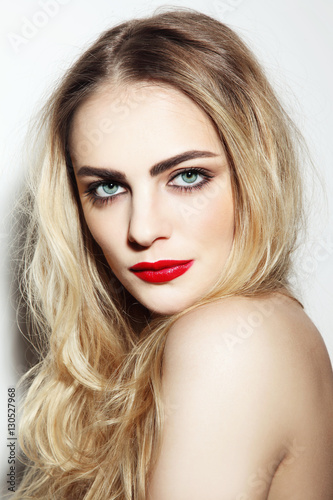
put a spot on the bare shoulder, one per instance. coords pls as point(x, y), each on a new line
point(272, 327)
point(246, 384)
point(266, 341)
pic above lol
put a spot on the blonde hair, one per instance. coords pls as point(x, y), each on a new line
point(93, 414)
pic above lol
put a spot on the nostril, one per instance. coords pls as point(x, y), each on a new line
point(136, 246)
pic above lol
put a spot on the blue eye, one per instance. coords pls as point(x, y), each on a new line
point(104, 192)
point(109, 189)
point(186, 178)
point(189, 177)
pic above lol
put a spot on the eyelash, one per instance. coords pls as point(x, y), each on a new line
point(102, 200)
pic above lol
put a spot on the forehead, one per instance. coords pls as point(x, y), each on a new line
point(133, 117)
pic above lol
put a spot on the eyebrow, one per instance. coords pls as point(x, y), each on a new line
point(157, 169)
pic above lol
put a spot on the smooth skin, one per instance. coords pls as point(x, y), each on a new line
point(249, 409)
point(155, 213)
point(247, 382)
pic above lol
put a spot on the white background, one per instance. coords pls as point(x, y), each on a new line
point(293, 40)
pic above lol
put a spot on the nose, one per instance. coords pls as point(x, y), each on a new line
point(149, 220)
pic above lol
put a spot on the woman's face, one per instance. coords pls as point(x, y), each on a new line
point(155, 189)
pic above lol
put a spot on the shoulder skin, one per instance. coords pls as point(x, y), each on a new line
point(247, 386)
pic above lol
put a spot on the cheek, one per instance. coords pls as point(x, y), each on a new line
point(222, 223)
point(211, 218)
point(105, 231)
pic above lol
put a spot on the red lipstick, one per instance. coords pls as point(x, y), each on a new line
point(162, 270)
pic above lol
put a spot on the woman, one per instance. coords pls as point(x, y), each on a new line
point(177, 361)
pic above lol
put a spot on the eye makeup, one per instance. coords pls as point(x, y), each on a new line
point(97, 189)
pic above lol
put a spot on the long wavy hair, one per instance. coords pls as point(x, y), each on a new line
point(93, 414)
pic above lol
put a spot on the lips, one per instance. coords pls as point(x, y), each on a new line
point(161, 271)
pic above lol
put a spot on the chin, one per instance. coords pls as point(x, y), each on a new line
point(166, 311)
point(168, 308)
